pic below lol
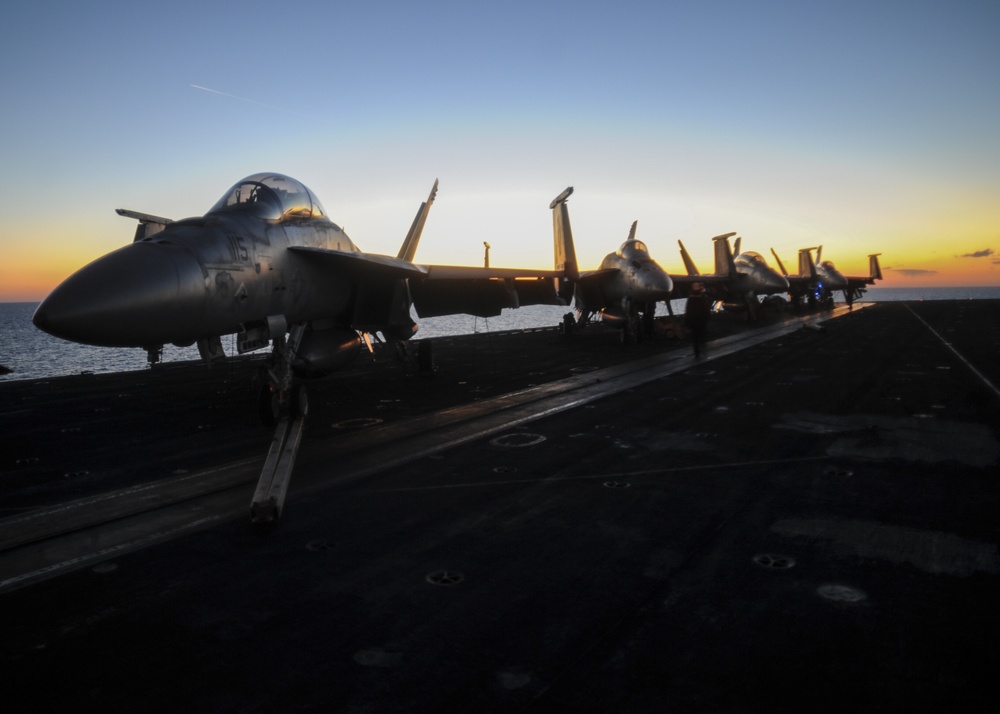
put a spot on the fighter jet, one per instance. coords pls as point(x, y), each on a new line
point(818, 280)
point(736, 281)
point(267, 264)
point(625, 288)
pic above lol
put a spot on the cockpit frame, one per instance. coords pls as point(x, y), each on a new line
point(270, 196)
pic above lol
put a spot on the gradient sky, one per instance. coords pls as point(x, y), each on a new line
point(863, 126)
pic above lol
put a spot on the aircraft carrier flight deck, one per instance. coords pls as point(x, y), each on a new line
point(804, 520)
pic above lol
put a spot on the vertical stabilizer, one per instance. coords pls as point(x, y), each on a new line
point(874, 269)
point(564, 250)
point(724, 263)
point(689, 265)
point(781, 266)
point(409, 247)
point(806, 264)
point(631, 232)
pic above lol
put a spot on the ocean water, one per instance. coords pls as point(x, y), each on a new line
point(32, 354)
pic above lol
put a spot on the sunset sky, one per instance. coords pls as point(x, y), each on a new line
point(862, 126)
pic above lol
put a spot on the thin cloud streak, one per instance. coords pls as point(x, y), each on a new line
point(912, 272)
point(251, 101)
point(985, 253)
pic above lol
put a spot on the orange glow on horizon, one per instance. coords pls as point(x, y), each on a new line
point(35, 276)
point(33, 279)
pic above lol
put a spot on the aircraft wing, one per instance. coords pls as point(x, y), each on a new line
point(365, 264)
point(594, 289)
point(484, 292)
point(445, 289)
point(798, 283)
point(715, 285)
point(855, 282)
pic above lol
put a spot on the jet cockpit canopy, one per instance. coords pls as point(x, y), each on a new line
point(270, 196)
point(630, 247)
point(751, 256)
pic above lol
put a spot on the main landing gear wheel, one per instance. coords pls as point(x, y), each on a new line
point(299, 405)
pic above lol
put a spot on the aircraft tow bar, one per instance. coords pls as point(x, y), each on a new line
point(272, 487)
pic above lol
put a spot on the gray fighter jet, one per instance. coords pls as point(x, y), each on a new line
point(737, 281)
point(625, 288)
point(263, 261)
point(267, 264)
point(817, 281)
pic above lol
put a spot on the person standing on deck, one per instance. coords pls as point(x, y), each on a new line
point(696, 312)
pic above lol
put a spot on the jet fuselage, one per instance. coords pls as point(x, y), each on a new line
point(755, 276)
point(209, 276)
point(638, 277)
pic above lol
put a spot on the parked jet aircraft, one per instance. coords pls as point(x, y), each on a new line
point(625, 288)
point(264, 259)
point(736, 281)
point(267, 264)
point(818, 281)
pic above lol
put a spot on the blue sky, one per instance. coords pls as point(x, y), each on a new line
point(860, 125)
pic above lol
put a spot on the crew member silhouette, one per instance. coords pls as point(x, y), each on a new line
point(696, 313)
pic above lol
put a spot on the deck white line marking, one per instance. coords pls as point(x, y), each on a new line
point(951, 347)
point(591, 477)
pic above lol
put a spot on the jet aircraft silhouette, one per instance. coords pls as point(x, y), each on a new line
point(817, 281)
point(263, 260)
point(267, 264)
point(737, 281)
point(625, 288)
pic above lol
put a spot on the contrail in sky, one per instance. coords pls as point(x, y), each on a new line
point(232, 96)
point(244, 99)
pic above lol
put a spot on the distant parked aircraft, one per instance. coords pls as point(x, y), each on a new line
point(625, 288)
point(736, 281)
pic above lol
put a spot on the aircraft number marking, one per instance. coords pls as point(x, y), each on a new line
point(239, 251)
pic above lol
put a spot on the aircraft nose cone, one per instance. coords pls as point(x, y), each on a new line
point(777, 283)
point(142, 295)
point(656, 283)
point(835, 281)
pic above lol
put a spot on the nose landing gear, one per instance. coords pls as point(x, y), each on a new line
point(286, 406)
